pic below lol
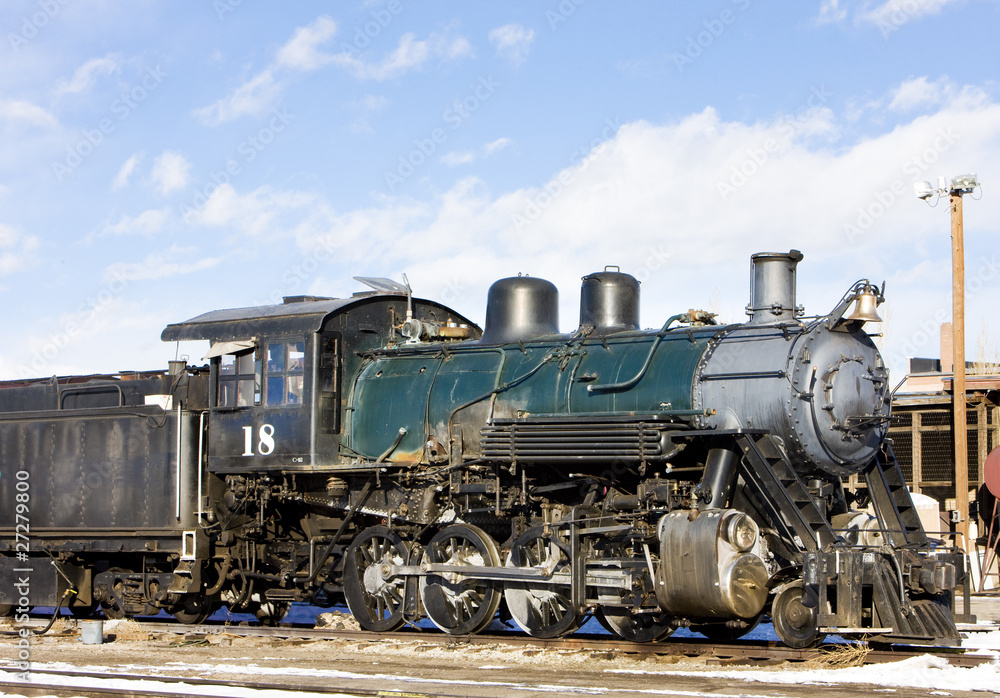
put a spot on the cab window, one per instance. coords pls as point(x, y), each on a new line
point(285, 373)
point(239, 382)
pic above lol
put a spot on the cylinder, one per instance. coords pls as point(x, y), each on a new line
point(717, 482)
point(92, 632)
point(521, 308)
point(710, 567)
point(772, 287)
point(609, 302)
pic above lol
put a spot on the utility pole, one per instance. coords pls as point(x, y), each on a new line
point(958, 368)
point(956, 188)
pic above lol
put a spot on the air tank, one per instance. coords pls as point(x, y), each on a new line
point(519, 308)
point(609, 302)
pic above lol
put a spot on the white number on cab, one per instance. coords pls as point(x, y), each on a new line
point(265, 441)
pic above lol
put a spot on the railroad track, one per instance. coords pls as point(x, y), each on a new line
point(741, 651)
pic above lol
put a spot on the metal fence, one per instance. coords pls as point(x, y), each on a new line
point(922, 438)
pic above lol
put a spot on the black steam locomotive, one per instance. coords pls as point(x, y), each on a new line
point(384, 450)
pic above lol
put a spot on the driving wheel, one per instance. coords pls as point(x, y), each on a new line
point(456, 603)
point(374, 597)
point(544, 607)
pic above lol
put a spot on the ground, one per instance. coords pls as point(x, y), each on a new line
point(493, 670)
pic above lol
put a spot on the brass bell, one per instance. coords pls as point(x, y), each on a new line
point(864, 310)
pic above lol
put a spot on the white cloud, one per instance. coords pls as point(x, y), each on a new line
point(161, 265)
point(254, 213)
point(451, 49)
point(513, 42)
point(8, 236)
point(410, 54)
point(17, 251)
point(301, 52)
point(455, 158)
point(496, 146)
point(367, 105)
point(652, 197)
point(128, 167)
point(15, 111)
point(899, 12)
point(371, 103)
point(146, 223)
point(87, 74)
point(111, 322)
point(919, 93)
point(888, 16)
point(830, 11)
point(255, 96)
point(170, 172)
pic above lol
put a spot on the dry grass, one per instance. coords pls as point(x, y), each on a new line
point(125, 629)
point(844, 656)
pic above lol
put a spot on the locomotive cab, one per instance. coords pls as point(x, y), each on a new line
point(276, 374)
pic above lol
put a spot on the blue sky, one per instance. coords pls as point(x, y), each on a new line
point(159, 160)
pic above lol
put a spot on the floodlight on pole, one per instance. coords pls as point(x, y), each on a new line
point(956, 188)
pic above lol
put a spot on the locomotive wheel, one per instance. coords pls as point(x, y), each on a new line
point(542, 609)
point(110, 607)
point(459, 605)
point(193, 610)
point(634, 627)
point(377, 602)
point(796, 625)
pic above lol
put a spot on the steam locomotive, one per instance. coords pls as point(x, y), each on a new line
point(383, 450)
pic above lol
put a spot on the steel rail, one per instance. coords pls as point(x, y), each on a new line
point(39, 687)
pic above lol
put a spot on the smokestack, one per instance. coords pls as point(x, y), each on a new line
point(772, 287)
